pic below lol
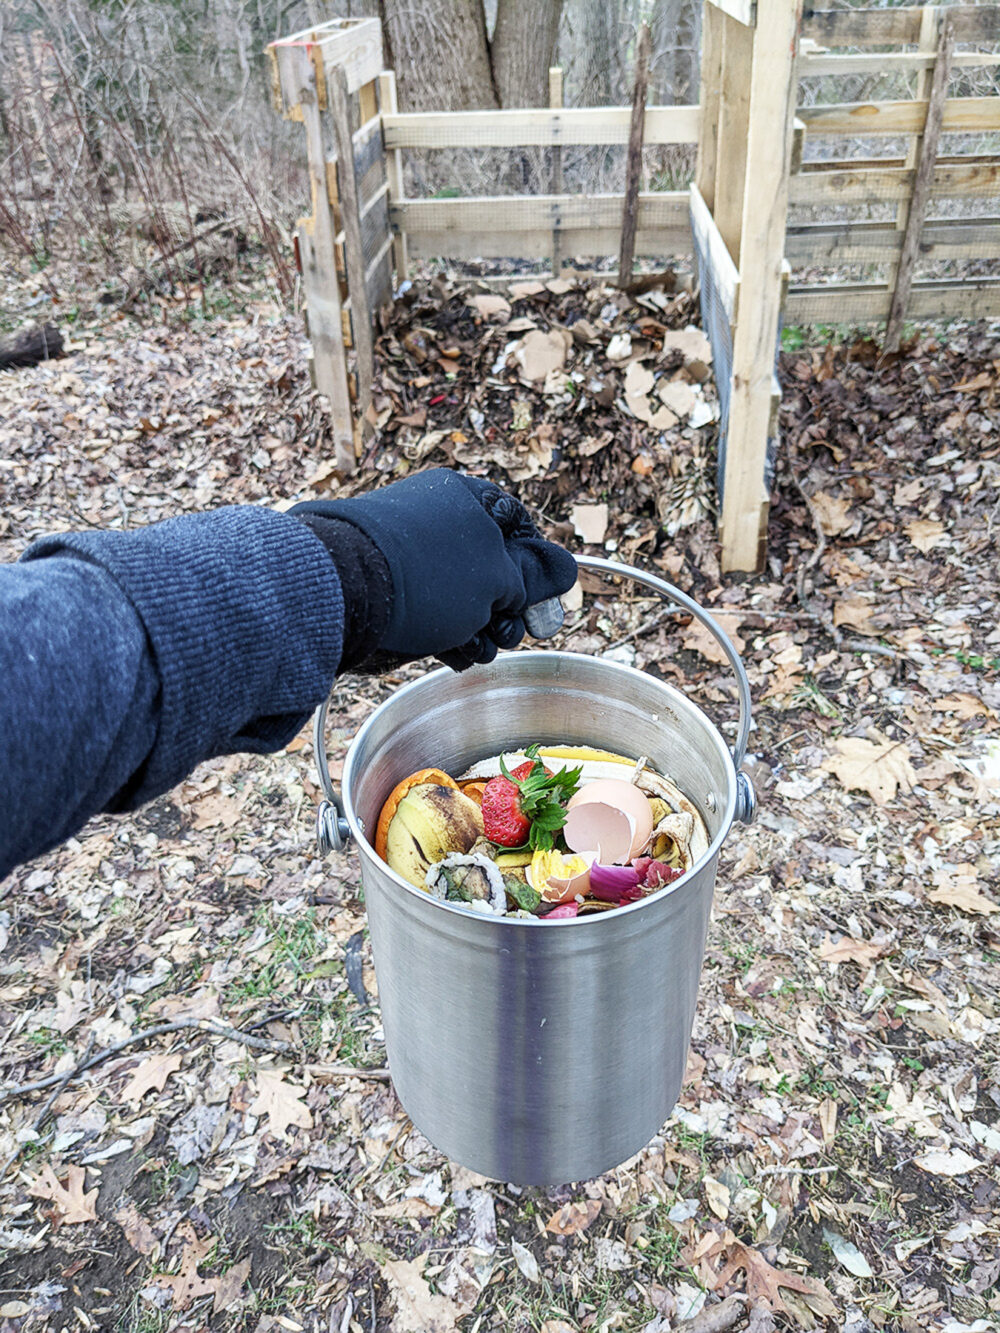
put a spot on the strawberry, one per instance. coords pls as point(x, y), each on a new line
point(503, 820)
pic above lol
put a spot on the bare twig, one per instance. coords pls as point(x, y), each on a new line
point(179, 1025)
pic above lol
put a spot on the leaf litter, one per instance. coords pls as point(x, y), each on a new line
point(839, 1115)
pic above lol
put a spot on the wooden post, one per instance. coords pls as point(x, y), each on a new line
point(633, 165)
point(556, 182)
point(708, 118)
point(928, 42)
point(350, 215)
point(734, 125)
point(773, 88)
point(317, 237)
point(921, 185)
point(394, 167)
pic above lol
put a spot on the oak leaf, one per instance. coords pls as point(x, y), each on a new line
point(72, 1202)
point(573, 1218)
point(153, 1072)
point(831, 513)
point(879, 768)
point(925, 533)
point(699, 638)
point(139, 1234)
point(957, 1162)
point(418, 1309)
point(957, 888)
point(282, 1103)
point(764, 1283)
point(848, 950)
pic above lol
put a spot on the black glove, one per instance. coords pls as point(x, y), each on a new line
point(464, 559)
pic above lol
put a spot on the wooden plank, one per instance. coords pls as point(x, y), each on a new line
point(541, 127)
point(361, 315)
point(835, 65)
point(394, 173)
point(841, 303)
point(368, 101)
point(961, 115)
point(895, 27)
point(798, 145)
point(592, 242)
point(870, 185)
point(834, 243)
point(378, 278)
point(921, 186)
point(353, 45)
point(712, 39)
point(570, 212)
point(725, 274)
point(745, 498)
point(734, 127)
point(556, 162)
point(633, 159)
point(317, 253)
point(367, 147)
point(743, 11)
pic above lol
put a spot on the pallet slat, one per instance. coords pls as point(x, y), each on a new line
point(533, 128)
point(353, 45)
point(961, 114)
point(536, 243)
point(568, 212)
point(895, 27)
point(830, 64)
point(875, 242)
point(842, 302)
point(871, 185)
point(724, 271)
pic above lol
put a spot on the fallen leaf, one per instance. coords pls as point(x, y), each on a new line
point(879, 768)
point(907, 492)
point(953, 1163)
point(229, 1287)
point(418, 1309)
point(925, 533)
point(764, 1283)
point(492, 306)
point(832, 513)
point(572, 1218)
point(590, 522)
point(847, 1254)
point(153, 1072)
point(698, 638)
point(139, 1234)
point(540, 354)
point(853, 611)
point(957, 888)
point(717, 1197)
point(525, 1261)
point(282, 1103)
point(964, 706)
point(848, 950)
point(72, 1202)
point(187, 1285)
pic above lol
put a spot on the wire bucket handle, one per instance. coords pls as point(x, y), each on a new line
point(332, 830)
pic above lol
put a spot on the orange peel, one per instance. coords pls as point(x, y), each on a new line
point(433, 775)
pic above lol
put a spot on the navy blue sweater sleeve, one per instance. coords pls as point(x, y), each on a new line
point(128, 658)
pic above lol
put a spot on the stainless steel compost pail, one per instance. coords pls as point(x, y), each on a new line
point(540, 1052)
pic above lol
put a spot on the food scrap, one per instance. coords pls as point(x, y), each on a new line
point(551, 832)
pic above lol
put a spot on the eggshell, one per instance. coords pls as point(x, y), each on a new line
point(557, 888)
point(610, 817)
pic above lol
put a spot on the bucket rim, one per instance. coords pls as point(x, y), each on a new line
point(365, 847)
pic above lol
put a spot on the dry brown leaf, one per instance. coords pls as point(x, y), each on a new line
point(139, 1234)
point(953, 1163)
point(698, 638)
point(832, 513)
point(848, 950)
point(853, 611)
point(215, 809)
point(925, 533)
point(282, 1103)
point(717, 1197)
point(418, 1309)
point(153, 1072)
point(72, 1202)
point(573, 1218)
point(590, 522)
point(879, 768)
point(229, 1287)
point(764, 1283)
point(964, 706)
point(187, 1285)
point(957, 888)
point(907, 492)
point(492, 306)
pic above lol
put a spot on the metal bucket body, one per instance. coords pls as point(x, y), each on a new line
point(538, 1052)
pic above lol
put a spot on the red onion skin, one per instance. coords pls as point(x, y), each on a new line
point(563, 912)
point(611, 883)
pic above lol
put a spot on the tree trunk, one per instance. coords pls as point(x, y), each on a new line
point(524, 42)
point(440, 53)
point(593, 39)
point(676, 38)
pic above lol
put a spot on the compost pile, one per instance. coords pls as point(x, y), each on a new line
point(562, 388)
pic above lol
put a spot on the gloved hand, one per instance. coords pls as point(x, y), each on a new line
point(465, 562)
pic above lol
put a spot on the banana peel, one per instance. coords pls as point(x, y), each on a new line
point(430, 823)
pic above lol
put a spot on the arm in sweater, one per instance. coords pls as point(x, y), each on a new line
point(128, 658)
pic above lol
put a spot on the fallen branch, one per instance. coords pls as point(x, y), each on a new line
point(179, 1025)
point(346, 1071)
